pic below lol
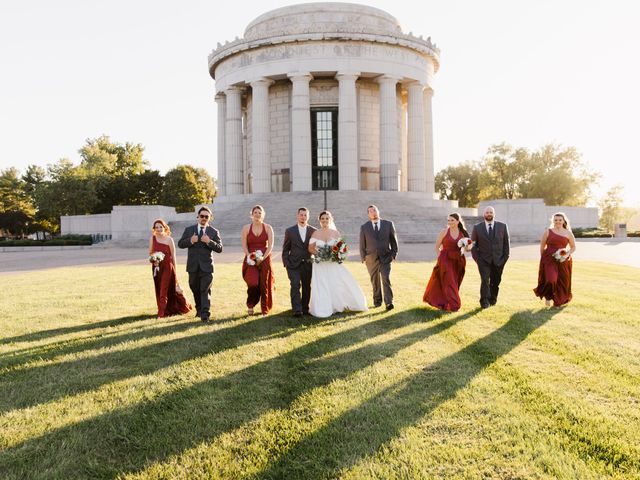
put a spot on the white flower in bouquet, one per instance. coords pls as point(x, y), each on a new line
point(254, 257)
point(561, 255)
point(156, 258)
point(465, 244)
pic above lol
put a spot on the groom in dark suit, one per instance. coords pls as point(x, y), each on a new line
point(297, 261)
point(201, 240)
point(378, 248)
point(491, 252)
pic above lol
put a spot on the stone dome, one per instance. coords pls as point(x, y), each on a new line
point(331, 17)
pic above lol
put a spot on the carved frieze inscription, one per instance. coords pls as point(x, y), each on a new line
point(267, 59)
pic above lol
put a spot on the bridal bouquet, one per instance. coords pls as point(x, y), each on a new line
point(253, 257)
point(323, 253)
point(561, 255)
point(465, 244)
point(339, 251)
point(156, 258)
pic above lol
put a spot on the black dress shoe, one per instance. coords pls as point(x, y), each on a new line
point(484, 305)
point(377, 305)
point(297, 314)
point(206, 320)
point(390, 306)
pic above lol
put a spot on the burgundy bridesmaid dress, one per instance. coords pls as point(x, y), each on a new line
point(169, 301)
point(444, 285)
point(554, 277)
point(259, 278)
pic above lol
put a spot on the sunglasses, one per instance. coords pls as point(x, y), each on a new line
point(204, 216)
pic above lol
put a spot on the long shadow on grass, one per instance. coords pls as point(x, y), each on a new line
point(129, 439)
point(363, 430)
point(101, 340)
point(26, 387)
point(54, 332)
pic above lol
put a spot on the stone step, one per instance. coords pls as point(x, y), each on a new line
point(417, 216)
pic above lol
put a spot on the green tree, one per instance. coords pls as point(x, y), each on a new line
point(13, 193)
point(185, 187)
point(460, 182)
point(558, 176)
point(101, 156)
point(504, 170)
point(611, 207)
point(69, 191)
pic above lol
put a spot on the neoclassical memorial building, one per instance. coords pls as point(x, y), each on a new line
point(324, 96)
point(325, 105)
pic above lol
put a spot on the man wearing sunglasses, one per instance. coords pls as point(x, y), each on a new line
point(201, 240)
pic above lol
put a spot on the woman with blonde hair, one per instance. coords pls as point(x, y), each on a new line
point(257, 243)
point(554, 274)
point(162, 255)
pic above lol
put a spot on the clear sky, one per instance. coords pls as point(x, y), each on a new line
point(524, 72)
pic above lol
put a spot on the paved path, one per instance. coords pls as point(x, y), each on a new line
point(622, 253)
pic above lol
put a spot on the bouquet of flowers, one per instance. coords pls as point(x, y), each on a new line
point(323, 254)
point(339, 251)
point(465, 244)
point(561, 255)
point(156, 258)
point(254, 257)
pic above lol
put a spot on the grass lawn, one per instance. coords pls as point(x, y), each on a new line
point(92, 385)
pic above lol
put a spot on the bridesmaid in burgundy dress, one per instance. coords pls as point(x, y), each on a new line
point(169, 295)
point(554, 274)
point(443, 288)
point(257, 272)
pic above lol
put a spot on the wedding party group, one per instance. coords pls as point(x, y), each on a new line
point(320, 285)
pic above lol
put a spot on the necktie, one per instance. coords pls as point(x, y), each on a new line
point(201, 232)
point(375, 227)
point(490, 230)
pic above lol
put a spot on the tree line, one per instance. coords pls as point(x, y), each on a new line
point(554, 173)
point(109, 174)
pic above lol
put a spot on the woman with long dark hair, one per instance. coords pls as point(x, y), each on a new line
point(443, 289)
point(257, 243)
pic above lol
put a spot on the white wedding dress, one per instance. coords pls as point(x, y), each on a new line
point(334, 288)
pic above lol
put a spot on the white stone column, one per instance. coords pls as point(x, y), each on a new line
point(428, 142)
point(416, 138)
point(389, 141)
point(233, 142)
point(348, 174)
point(221, 182)
point(260, 158)
point(300, 132)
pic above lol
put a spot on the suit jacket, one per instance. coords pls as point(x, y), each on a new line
point(382, 245)
point(294, 250)
point(200, 255)
point(494, 249)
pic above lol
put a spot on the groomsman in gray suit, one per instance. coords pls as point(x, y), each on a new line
point(491, 252)
point(378, 248)
point(297, 261)
point(201, 240)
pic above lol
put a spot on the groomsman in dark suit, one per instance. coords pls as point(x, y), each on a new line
point(201, 240)
point(491, 252)
point(297, 261)
point(378, 248)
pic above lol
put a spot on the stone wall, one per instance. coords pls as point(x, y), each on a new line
point(280, 134)
point(369, 134)
point(128, 225)
point(528, 218)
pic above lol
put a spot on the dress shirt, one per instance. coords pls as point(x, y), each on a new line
point(303, 232)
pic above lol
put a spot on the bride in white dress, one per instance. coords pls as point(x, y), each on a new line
point(333, 287)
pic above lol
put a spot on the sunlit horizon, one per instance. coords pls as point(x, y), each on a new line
point(524, 73)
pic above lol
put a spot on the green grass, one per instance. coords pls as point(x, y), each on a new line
point(92, 385)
